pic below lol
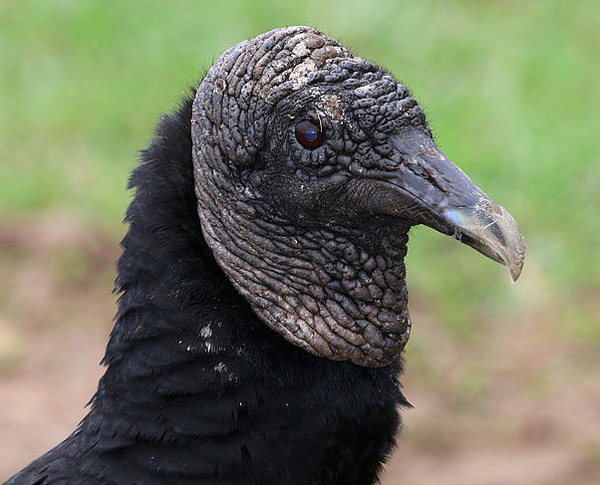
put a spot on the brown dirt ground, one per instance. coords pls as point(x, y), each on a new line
point(517, 404)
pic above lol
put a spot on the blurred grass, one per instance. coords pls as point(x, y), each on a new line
point(510, 88)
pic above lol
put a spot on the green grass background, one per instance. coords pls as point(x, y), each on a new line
point(511, 89)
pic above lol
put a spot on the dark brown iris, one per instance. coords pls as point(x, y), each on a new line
point(309, 135)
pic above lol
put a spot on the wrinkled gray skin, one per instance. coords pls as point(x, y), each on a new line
point(315, 239)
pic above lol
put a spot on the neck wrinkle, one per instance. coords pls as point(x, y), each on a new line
point(323, 291)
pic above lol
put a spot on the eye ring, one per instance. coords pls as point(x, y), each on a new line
point(309, 135)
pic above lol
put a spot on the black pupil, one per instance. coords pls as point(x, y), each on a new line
point(309, 135)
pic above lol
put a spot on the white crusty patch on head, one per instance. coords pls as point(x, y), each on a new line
point(311, 47)
point(301, 50)
point(299, 75)
point(332, 107)
point(302, 53)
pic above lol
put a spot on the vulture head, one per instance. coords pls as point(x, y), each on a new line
point(311, 165)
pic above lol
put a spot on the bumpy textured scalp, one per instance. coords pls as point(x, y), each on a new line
point(294, 229)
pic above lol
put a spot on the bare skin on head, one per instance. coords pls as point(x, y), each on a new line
point(315, 238)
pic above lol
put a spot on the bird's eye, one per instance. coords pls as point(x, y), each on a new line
point(309, 135)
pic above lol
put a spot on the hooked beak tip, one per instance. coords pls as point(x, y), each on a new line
point(490, 229)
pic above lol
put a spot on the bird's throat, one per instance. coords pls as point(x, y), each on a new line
point(325, 292)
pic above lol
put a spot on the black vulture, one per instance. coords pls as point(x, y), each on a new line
point(263, 304)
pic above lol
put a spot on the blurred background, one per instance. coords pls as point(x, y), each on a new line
point(505, 379)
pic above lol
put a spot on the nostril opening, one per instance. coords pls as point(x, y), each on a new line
point(417, 169)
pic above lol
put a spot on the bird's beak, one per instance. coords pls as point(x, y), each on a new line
point(435, 192)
